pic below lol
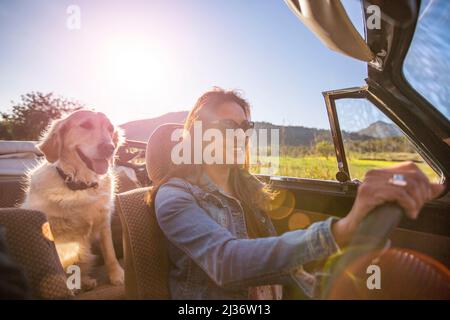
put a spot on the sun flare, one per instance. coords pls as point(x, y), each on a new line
point(135, 74)
point(134, 68)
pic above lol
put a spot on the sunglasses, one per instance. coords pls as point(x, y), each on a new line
point(224, 124)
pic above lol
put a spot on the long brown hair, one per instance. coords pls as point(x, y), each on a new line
point(247, 187)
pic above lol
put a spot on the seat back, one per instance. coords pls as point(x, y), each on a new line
point(145, 255)
point(34, 252)
point(12, 191)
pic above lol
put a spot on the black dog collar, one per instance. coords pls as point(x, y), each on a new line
point(75, 185)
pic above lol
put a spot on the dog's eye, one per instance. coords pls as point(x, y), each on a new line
point(87, 125)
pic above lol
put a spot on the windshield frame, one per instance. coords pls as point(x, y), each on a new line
point(426, 126)
point(408, 79)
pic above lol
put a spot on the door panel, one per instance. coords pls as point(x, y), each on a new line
point(316, 200)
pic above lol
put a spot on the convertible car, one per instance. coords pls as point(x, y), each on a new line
point(406, 47)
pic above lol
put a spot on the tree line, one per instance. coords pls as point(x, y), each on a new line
point(28, 118)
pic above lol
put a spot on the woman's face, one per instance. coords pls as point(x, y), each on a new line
point(232, 148)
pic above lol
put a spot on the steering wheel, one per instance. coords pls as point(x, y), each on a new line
point(371, 234)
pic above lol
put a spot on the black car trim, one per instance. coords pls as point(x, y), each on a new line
point(426, 126)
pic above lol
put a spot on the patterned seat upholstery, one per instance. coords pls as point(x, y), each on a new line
point(11, 191)
point(37, 255)
point(145, 256)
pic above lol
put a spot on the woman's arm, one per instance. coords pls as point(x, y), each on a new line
point(232, 262)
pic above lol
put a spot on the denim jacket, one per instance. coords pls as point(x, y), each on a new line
point(211, 256)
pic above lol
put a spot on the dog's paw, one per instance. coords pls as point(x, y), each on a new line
point(116, 276)
point(88, 283)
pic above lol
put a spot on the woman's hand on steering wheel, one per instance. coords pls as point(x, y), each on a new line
point(404, 184)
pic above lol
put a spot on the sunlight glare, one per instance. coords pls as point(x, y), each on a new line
point(135, 68)
point(135, 74)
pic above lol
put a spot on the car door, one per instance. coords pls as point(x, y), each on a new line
point(379, 124)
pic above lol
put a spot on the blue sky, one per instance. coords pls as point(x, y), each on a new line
point(139, 59)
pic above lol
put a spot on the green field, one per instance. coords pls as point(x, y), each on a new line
point(317, 167)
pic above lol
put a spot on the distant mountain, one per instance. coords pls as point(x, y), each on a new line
point(289, 135)
point(381, 129)
point(141, 130)
point(304, 136)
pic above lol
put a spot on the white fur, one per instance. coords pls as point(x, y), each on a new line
point(76, 218)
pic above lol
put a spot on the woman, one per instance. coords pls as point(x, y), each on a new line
point(221, 242)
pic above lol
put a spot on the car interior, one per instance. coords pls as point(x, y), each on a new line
point(415, 253)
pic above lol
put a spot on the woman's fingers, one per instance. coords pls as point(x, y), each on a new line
point(403, 198)
point(381, 186)
point(415, 191)
point(435, 190)
point(422, 183)
point(418, 185)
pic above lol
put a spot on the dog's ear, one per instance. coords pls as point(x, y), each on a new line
point(51, 142)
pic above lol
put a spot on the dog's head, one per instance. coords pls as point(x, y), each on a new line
point(84, 136)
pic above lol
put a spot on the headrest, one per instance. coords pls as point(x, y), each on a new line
point(159, 147)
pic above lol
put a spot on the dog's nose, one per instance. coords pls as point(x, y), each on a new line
point(106, 149)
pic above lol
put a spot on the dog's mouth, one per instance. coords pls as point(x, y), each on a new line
point(99, 166)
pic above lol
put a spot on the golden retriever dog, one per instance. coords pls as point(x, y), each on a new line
point(75, 188)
